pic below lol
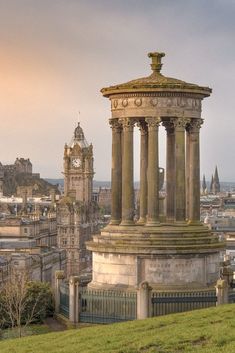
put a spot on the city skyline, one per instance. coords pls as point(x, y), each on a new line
point(57, 56)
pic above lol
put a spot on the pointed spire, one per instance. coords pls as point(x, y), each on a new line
point(204, 187)
point(212, 183)
point(216, 181)
point(204, 182)
point(216, 176)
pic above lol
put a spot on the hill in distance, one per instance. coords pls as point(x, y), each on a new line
point(225, 186)
point(96, 183)
point(39, 186)
point(206, 331)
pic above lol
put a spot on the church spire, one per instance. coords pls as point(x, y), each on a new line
point(212, 183)
point(216, 181)
point(204, 187)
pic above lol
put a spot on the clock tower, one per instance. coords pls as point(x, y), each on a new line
point(78, 167)
point(77, 213)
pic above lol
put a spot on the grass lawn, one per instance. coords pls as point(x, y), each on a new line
point(28, 331)
point(206, 331)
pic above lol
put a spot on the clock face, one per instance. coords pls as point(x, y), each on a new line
point(76, 162)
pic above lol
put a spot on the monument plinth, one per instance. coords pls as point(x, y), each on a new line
point(179, 252)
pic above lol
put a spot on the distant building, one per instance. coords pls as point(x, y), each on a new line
point(23, 165)
point(29, 243)
point(104, 199)
point(15, 178)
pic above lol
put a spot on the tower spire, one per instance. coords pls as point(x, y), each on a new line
point(204, 187)
point(212, 183)
point(216, 181)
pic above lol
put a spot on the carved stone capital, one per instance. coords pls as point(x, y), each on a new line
point(142, 125)
point(194, 125)
point(127, 123)
point(59, 274)
point(169, 126)
point(153, 123)
point(115, 125)
point(73, 280)
point(180, 123)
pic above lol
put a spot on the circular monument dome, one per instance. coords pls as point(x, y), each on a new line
point(156, 82)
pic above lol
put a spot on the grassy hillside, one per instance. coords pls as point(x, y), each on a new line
point(205, 331)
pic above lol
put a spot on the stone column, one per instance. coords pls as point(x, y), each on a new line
point(170, 171)
point(180, 200)
point(221, 292)
point(153, 172)
point(73, 299)
point(127, 172)
point(116, 207)
point(187, 176)
point(143, 301)
point(194, 170)
point(143, 170)
point(59, 276)
point(1, 188)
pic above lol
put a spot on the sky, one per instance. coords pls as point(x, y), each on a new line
point(56, 56)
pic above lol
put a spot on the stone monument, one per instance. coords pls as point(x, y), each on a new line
point(179, 252)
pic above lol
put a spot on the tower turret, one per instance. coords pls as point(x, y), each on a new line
point(78, 167)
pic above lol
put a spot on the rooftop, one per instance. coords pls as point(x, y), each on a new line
point(156, 82)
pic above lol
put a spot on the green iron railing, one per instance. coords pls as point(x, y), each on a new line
point(173, 302)
point(64, 299)
point(106, 306)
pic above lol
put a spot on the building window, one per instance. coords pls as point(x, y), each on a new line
point(25, 230)
point(64, 241)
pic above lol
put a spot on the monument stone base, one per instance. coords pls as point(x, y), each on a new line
point(168, 257)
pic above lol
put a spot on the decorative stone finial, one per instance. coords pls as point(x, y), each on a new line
point(156, 61)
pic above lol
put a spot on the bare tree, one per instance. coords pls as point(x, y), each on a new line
point(18, 308)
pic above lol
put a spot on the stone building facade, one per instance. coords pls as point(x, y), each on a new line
point(77, 213)
point(29, 243)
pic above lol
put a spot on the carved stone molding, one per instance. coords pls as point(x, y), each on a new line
point(160, 101)
point(73, 280)
point(169, 126)
point(127, 123)
point(154, 101)
point(115, 125)
point(194, 125)
point(142, 125)
point(157, 94)
point(138, 102)
point(180, 123)
point(153, 123)
point(125, 102)
point(115, 103)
